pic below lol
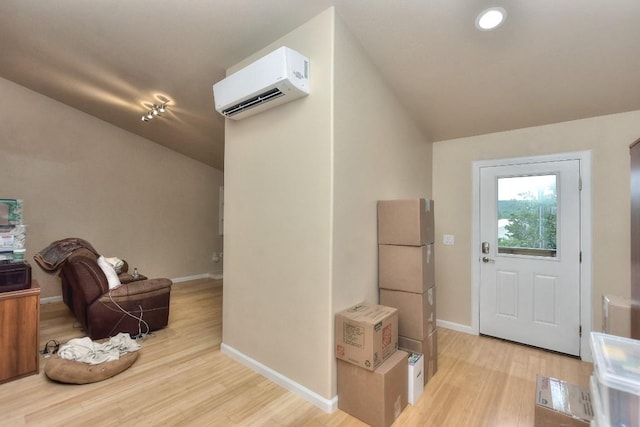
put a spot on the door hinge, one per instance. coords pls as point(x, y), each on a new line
point(581, 257)
point(580, 331)
point(580, 184)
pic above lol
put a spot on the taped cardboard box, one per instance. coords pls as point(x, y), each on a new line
point(366, 334)
point(560, 404)
point(375, 397)
point(406, 268)
point(406, 222)
point(416, 312)
point(616, 315)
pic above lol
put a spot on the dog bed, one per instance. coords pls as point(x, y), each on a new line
point(71, 372)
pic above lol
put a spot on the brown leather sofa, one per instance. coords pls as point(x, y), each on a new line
point(138, 306)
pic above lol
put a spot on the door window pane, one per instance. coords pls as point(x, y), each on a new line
point(527, 215)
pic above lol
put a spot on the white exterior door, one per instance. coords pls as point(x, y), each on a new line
point(530, 254)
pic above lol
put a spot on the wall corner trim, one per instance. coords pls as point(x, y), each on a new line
point(327, 405)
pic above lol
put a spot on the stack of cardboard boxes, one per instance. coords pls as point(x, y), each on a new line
point(372, 372)
point(407, 274)
point(386, 353)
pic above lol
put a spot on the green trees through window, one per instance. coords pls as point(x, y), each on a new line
point(527, 215)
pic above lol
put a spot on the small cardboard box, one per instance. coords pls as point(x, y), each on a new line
point(559, 403)
point(376, 397)
point(405, 222)
point(416, 377)
point(616, 316)
point(406, 268)
point(366, 334)
point(428, 347)
point(416, 312)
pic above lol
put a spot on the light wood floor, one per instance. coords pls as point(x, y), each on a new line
point(182, 378)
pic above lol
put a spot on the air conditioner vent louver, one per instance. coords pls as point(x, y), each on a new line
point(252, 102)
point(275, 79)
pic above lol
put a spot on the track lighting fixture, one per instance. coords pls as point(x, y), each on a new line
point(155, 111)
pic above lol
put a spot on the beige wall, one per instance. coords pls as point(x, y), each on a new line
point(129, 197)
point(379, 154)
point(301, 185)
point(278, 223)
point(608, 138)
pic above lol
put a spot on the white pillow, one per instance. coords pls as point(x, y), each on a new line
point(116, 263)
point(112, 276)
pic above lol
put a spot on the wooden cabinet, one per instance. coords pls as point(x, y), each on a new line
point(19, 333)
point(635, 239)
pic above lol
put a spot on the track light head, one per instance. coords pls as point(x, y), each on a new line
point(156, 110)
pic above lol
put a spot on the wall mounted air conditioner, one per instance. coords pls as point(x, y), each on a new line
point(278, 77)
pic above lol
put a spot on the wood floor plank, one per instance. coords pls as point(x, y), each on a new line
point(182, 378)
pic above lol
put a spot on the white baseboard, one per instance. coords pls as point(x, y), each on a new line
point(456, 327)
point(215, 276)
point(327, 405)
point(194, 277)
point(49, 300)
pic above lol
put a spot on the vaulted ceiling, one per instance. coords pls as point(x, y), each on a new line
point(552, 60)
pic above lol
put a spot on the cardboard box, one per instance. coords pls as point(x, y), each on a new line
point(431, 358)
point(406, 222)
point(375, 397)
point(406, 268)
point(366, 334)
point(415, 377)
point(428, 347)
point(616, 316)
point(559, 403)
point(416, 312)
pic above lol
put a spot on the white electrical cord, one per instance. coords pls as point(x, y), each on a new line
point(139, 319)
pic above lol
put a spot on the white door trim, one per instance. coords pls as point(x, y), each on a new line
point(586, 300)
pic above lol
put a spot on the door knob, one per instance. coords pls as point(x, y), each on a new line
point(487, 259)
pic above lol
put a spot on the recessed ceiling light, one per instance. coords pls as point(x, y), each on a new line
point(491, 18)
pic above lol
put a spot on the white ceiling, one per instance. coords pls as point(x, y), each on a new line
point(552, 61)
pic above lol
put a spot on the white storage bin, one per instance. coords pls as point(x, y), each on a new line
point(616, 389)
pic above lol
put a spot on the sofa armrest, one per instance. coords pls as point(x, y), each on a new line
point(140, 288)
point(128, 278)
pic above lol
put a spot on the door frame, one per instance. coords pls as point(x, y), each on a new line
point(586, 299)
